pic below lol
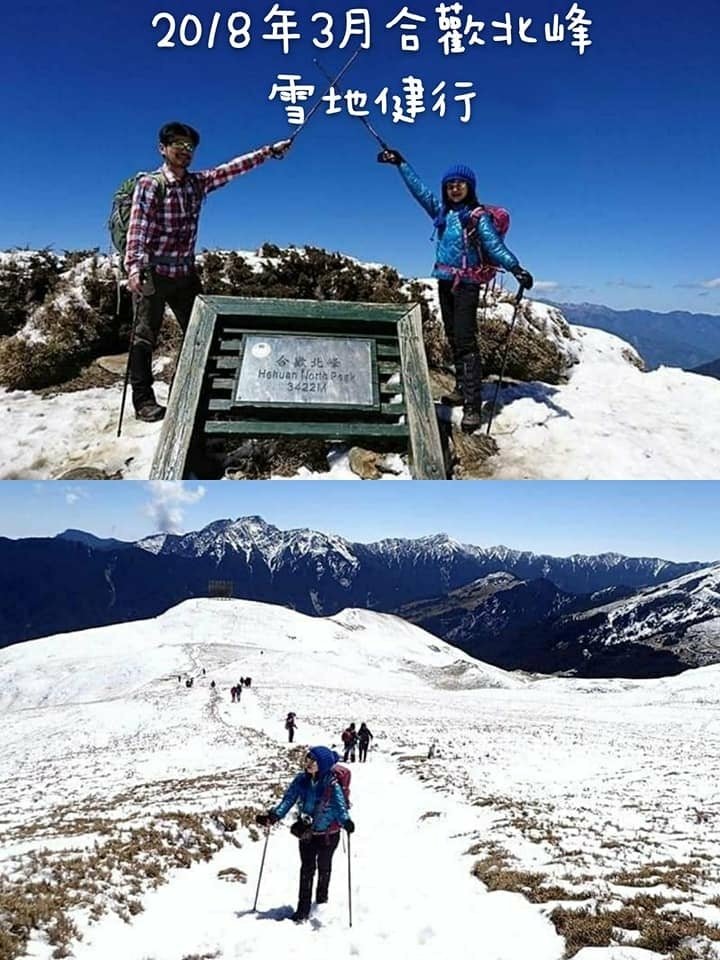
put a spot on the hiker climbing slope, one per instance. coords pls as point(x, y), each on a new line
point(323, 807)
point(469, 250)
point(364, 738)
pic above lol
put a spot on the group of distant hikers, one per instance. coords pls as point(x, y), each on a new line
point(236, 691)
point(353, 738)
point(154, 224)
point(355, 742)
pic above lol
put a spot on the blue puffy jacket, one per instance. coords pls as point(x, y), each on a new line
point(454, 254)
point(322, 800)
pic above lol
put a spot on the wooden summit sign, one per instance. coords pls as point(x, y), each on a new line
point(334, 370)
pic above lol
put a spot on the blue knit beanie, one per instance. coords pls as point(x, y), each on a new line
point(325, 757)
point(459, 172)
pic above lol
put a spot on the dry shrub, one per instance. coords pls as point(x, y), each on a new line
point(469, 454)
point(664, 933)
point(532, 355)
point(232, 874)
point(30, 366)
point(25, 282)
point(259, 459)
point(681, 876)
point(581, 928)
point(71, 334)
point(310, 273)
point(531, 885)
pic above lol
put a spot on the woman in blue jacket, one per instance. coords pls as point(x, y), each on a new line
point(322, 812)
point(466, 241)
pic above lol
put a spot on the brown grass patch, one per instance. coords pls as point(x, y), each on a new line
point(663, 933)
point(581, 928)
point(47, 886)
point(680, 876)
point(233, 875)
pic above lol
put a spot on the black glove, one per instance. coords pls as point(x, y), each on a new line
point(302, 828)
point(391, 156)
point(266, 819)
point(349, 825)
point(524, 278)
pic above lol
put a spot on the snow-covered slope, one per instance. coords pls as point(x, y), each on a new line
point(133, 795)
point(611, 421)
point(122, 659)
point(664, 612)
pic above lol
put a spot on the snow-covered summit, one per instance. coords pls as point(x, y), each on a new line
point(354, 647)
point(673, 610)
point(608, 419)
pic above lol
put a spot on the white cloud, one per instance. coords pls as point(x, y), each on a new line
point(73, 494)
point(629, 284)
point(712, 284)
point(169, 498)
point(546, 285)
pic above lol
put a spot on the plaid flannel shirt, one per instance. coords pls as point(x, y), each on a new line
point(162, 231)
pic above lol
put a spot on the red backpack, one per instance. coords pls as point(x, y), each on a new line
point(341, 775)
point(501, 221)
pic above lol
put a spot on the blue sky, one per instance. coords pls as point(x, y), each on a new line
point(676, 521)
point(607, 161)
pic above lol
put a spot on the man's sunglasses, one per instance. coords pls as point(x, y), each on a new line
point(182, 145)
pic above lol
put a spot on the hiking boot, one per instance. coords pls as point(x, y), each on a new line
point(150, 411)
point(470, 420)
point(454, 398)
point(299, 916)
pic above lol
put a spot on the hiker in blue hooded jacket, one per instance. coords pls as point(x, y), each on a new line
point(466, 242)
point(322, 813)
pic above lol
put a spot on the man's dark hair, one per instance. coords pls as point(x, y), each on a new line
point(175, 130)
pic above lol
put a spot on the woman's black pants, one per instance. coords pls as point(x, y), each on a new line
point(458, 308)
point(315, 854)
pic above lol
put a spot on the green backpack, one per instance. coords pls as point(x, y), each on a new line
point(121, 205)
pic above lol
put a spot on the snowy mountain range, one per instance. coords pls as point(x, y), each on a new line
point(674, 339)
point(655, 631)
point(75, 581)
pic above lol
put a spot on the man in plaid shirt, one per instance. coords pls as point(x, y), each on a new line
point(160, 255)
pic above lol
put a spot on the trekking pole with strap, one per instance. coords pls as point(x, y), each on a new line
point(517, 300)
point(319, 100)
point(262, 864)
point(349, 883)
point(369, 127)
point(136, 301)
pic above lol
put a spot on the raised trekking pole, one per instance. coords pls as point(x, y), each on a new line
point(370, 128)
point(127, 365)
point(262, 864)
point(349, 883)
point(346, 67)
point(517, 300)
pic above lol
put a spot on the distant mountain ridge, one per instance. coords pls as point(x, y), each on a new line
point(90, 540)
point(711, 369)
point(75, 580)
point(532, 625)
point(675, 339)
